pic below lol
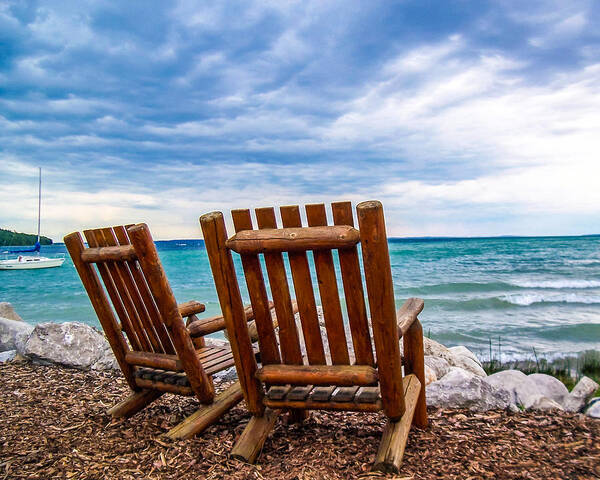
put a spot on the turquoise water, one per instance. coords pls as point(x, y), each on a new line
point(521, 293)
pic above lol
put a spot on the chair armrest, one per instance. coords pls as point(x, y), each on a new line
point(206, 326)
point(192, 307)
point(407, 314)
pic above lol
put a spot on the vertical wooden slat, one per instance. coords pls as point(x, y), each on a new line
point(267, 341)
point(380, 290)
point(147, 301)
point(288, 335)
point(132, 292)
point(232, 308)
point(113, 290)
point(328, 289)
point(353, 290)
point(305, 296)
point(93, 287)
point(161, 291)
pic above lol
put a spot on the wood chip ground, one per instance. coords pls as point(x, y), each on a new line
point(53, 424)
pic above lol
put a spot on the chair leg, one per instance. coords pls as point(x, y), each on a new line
point(296, 415)
point(207, 414)
point(134, 403)
point(393, 441)
point(413, 353)
point(253, 437)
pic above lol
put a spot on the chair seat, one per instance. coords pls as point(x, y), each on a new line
point(213, 359)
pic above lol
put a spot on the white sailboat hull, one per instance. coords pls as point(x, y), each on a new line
point(30, 263)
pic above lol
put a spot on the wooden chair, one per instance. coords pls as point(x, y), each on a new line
point(288, 382)
point(151, 343)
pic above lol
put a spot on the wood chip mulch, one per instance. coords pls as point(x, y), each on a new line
point(53, 424)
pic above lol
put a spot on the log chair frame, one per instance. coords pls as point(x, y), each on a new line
point(144, 325)
point(285, 382)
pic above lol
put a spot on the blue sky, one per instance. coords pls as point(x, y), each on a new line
point(463, 118)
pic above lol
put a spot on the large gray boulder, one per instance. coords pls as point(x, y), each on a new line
point(540, 402)
point(508, 380)
point(440, 366)
point(462, 389)
point(13, 334)
point(581, 393)
point(71, 344)
point(7, 311)
point(550, 387)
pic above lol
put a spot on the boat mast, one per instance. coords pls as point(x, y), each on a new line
point(39, 203)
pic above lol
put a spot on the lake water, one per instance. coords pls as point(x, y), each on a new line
point(518, 293)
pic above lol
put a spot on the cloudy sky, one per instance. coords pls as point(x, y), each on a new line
point(464, 118)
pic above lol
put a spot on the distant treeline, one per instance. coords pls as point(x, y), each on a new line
point(9, 238)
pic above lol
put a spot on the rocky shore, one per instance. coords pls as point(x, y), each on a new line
point(455, 377)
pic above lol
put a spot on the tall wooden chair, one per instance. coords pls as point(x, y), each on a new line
point(288, 382)
point(151, 343)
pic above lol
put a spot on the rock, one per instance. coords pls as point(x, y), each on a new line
point(430, 375)
point(467, 363)
point(550, 387)
point(465, 352)
point(71, 344)
point(438, 365)
point(540, 402)
point(509, 380)
point(216, 342)
point(581, 393)
point(13, 334)
point(7, 311)
point(593, 408)
point(435, 349)
point(462, 389)
point(7, 356)
point(226, 375)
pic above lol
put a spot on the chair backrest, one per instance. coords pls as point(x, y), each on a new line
point(146, 311)
point(271, 242)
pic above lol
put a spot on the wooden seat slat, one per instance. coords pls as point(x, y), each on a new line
point(344, 394)
point(278, 392)
point(299, 393)
point(322, 394)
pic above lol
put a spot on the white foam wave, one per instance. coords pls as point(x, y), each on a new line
point(583, 261)
point(562, 283)
point(525, 299)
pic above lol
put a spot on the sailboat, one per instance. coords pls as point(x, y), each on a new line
point(28, 262)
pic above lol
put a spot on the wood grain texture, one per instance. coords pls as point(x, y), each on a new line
point(341, 375)
point(382, 305)
point(305, 296)
point(105, 254)
point(134, 403)
point(407, 314)
point(393, 442)
point(414, 362)
point(353, 290)
point(207, 415)
point(232, 308)
point(328, 290)
point(257, 291)
point(253, 437)
point(274, 240)
point(288, 335)
point(169, 310)
point(100, 303)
